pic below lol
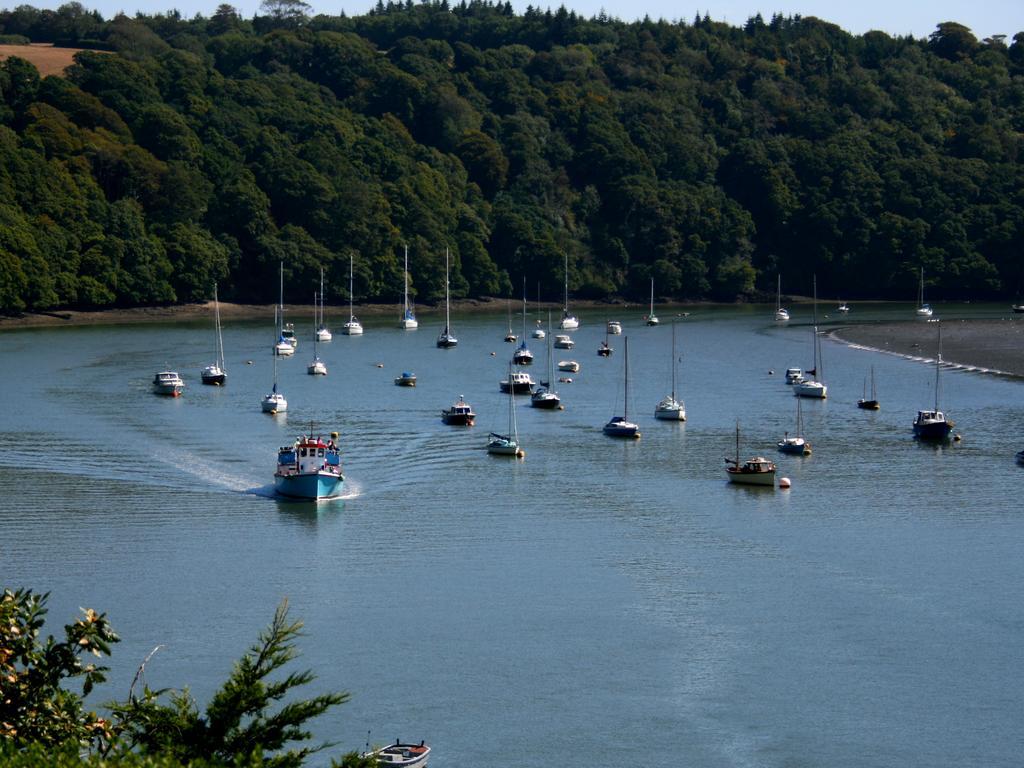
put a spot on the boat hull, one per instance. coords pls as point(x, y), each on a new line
point(547, 400)
point(168, 390)
point(458, 419)
point(274, 405)
point(407, 324)
point(311, 486)
point(762, 479)
point(214, 379)
point(812, 389)
point(670, 414)
point(324, 335)
point(569, 324)
point(933, 430)
point(446, 341)
point(619, 427)
point(522, 358)
point(518, 388)
point(868, 405)
point(795, 447)
point(352, 329)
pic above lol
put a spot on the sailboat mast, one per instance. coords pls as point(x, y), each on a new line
point(447, 315)
point(673, 360)
point(524, 310)
point(938, 364)
point(216, 320)
point(281, 296)
point(565, 300)
point(625, 404)
point(405, 313)
point(350, 312)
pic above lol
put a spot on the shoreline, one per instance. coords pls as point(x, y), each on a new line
point(994, 347)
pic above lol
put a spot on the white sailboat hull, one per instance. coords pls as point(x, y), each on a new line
point(814, 389)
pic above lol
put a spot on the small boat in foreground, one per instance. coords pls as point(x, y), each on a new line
point(407, 379)
point(168, 383)
point(310, 468)
point(460, 414)
point(756, 471)
point(401, 755)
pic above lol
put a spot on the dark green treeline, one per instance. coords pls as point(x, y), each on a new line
point(706, 156)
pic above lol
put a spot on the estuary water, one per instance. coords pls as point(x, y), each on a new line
point(599, 602)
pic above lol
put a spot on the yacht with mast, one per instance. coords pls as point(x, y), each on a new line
point(323, 333)
point(316, 367)
point(651, 319)
point(353, 327)
point(796, 445)
point(569, 321)
point(507, 444)
point(408, 321)
point(781, 315)
point(933, 424)
point(670, 409)
point(545, 396)
point(869, 403)
point(446, 339)
point(923, 310)
point(214, 373)
point(812, 385)
point(274, 401)
point(756, 471)
point(286, 342)
point(621, 426)
point(522, 355)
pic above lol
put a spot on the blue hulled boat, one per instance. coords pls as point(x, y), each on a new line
point(310, 468)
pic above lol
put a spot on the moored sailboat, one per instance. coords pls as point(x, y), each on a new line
point(756, 471)
point(796, 444)
point(621, 426)
point(651, 318)
point(353, 327)
point(923, 310)
point(781, 315)
point(323, 333)
point(813, 386)
point(214, 374)
point(408, 321)
point(446, 339)
point(933, 424)
point(316, 367)
point(522, 355)
point(507, 444)
point(670, 409)
point(869, 403)
point(545, 395)
point(569, 321)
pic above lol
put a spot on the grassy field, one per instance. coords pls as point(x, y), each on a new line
point(47, 59)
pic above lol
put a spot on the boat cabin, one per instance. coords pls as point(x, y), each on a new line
point(309, 455)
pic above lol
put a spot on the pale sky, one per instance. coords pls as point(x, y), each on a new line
point(897, 17)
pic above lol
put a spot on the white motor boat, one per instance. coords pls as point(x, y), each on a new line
point(564, 341)
point(794, 375)
point(168, 383)
point(569, 365)
point(520, 382)
point(614, 327)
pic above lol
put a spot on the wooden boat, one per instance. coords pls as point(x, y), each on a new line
point(869, 404)
point(670, 409)
point(756, 471)
point(933, 424)
point(460, 414)
point(621, 426)
point(446, 339)
point(399, 755)
point(214, 374)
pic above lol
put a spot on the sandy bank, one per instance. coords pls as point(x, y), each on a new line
point(992, 346)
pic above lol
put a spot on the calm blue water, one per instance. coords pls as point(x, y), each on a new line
point(602, 596)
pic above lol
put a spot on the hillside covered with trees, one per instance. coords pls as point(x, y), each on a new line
point(179, 152)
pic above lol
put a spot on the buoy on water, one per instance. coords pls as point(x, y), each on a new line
point(380, 365)
point(956, 438)
point(784, 482)
point(771, 372)
point(492, 354)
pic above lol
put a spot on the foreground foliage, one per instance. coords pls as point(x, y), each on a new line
point(248, 723)
point(706, 156)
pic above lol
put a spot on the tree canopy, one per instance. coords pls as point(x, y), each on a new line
point(706, 156)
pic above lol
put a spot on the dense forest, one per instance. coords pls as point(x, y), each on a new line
point(177, 152)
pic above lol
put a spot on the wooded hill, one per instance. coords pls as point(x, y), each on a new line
point(706, 156)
